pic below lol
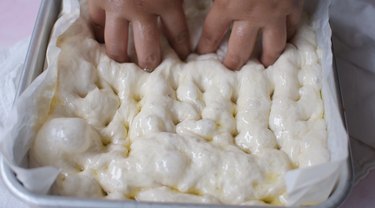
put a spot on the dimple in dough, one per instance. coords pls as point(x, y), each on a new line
point(190, 131)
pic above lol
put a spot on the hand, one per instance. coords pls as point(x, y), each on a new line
point(111, 18)
point(277, 20)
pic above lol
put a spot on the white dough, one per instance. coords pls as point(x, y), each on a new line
point(190, 131)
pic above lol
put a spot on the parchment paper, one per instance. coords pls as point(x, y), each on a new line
point(304, 186)
point(354, 48)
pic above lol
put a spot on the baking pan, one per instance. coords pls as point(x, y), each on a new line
point(36, 54)
point(34, 64)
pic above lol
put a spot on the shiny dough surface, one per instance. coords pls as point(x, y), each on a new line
point(190, 131)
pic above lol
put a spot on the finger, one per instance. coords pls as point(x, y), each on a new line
point(214, 29)
point(274, 41)
point(147, 43)
point(292, 24)
point(177, 32)
point(294, 19)
point(97, 19)
point(116, 38)
point(240, 45)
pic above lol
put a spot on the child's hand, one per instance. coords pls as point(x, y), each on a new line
point(111, 20)
point(277, 20)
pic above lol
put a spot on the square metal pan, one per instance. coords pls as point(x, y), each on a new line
point(35, 60)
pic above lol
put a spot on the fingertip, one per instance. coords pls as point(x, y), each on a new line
point(266, 61)
point(215, 27)
point(147, 43)
point(150, 62)
point(291, 33)
point(179, 40)
point(293, 20)
point(97, 19)
point(207, 44)
point(183, 56)
point(274, 42)
point(120, 57)
point(98, 32)
point(176, 30)
point(292, 27)
point(116, 38)
point(233, 62)
point(269, 59)
point(182, 47)
point(240, 45)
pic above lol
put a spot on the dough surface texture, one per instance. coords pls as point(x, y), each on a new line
point(190, 131)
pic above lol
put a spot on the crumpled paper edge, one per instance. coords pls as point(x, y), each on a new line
point(354, 46)
point(313, 185)
point(29, 109)
point(303, 185)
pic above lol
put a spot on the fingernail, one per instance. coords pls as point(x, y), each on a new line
point(150, 62)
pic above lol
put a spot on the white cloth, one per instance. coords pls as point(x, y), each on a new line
point(11, 63)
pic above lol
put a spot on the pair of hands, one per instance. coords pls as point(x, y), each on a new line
point(277, 20)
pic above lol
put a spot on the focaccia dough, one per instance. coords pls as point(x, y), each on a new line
point(190, 131)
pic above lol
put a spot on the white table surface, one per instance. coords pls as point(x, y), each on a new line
point(17, 19)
